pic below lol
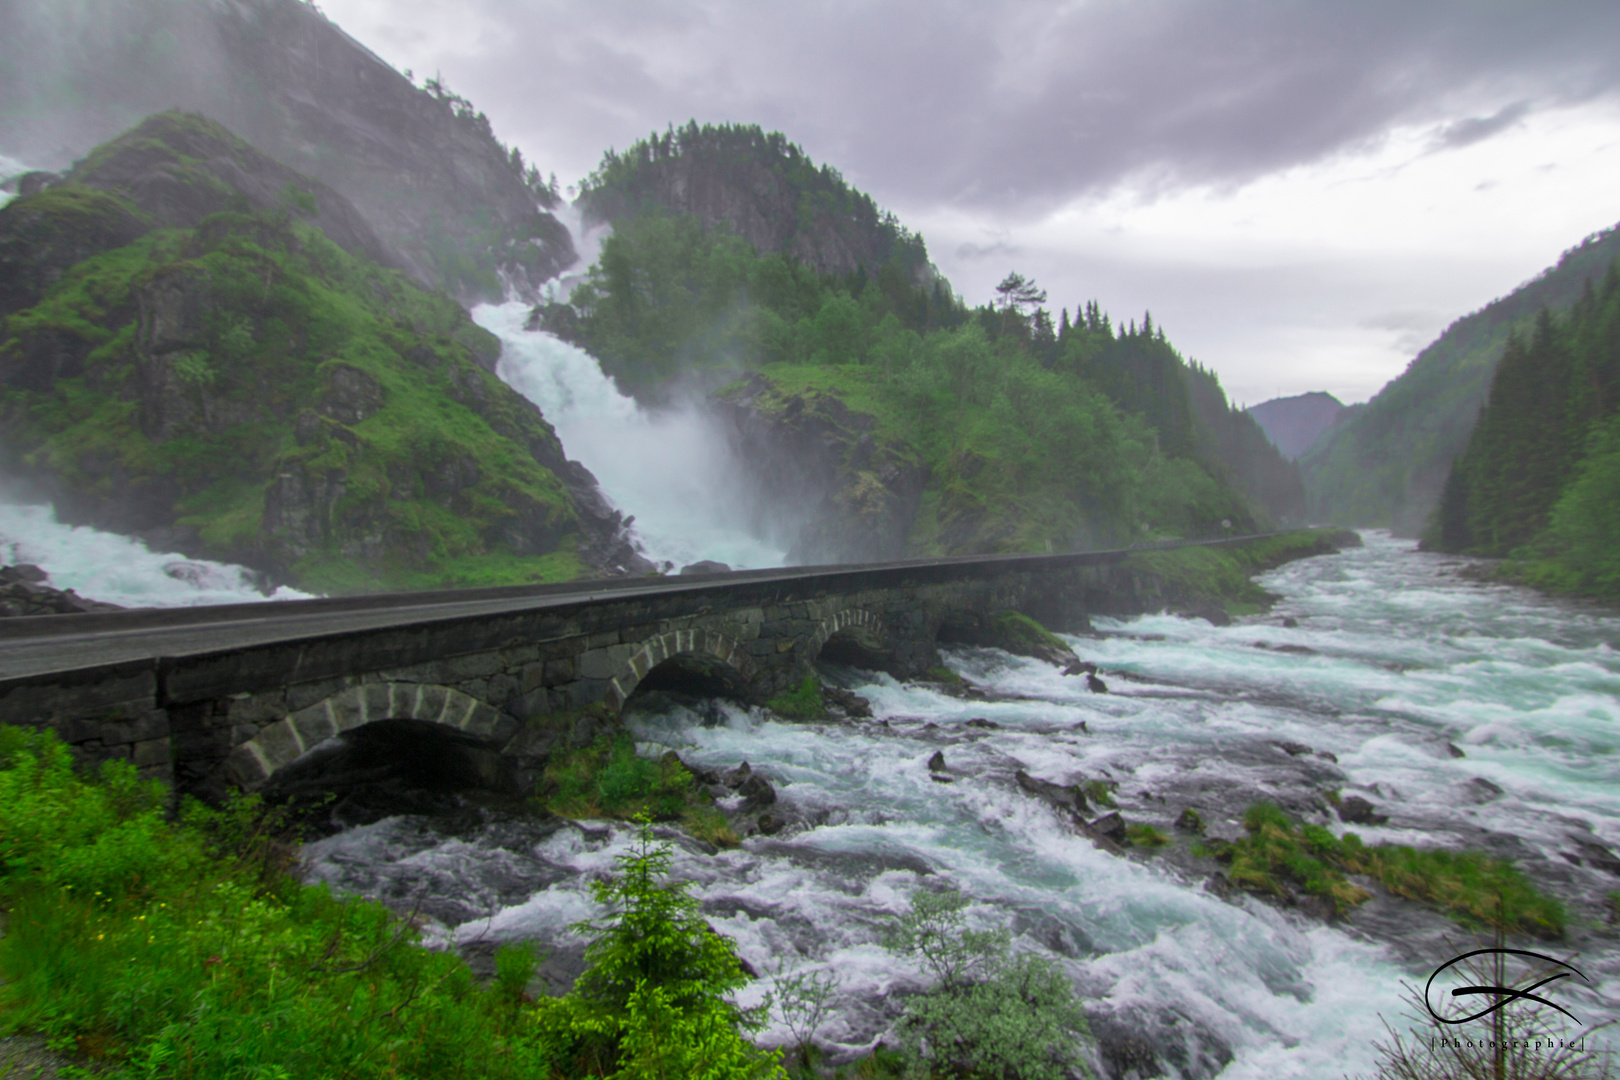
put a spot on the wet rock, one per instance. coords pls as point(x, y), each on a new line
point(1292, 749)
point(1328, 755)
point(1480, 790)
point(1096, 685)
point(770, 824)
point(22, 595)
point(1596, 855)
point(1111, 827)
point(988, 725)
point(1070, 799)
point(1454, 750)
point(1210, 611)
point(1190, 821)
point(706, 566)
point(1081, 667)
point(852, 704)
point(24, 572)
point(1300, 650)
point(1219, 886)
point(1316, 907)
point(937, 762)
point(734, 778)
point(1290, 623)
point(757, 793)
point(1358, 811)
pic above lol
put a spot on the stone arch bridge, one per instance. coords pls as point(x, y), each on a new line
point(216, 697)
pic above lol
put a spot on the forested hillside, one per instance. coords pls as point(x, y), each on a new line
point(1540, 479)
point(912, 423)
point(187, 353)
point(1385, 462)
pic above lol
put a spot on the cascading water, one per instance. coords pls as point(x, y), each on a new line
point(120, 569)
point(1393, 658)
point(672, 469)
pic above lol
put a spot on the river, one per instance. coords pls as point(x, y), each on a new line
point(1397, 664)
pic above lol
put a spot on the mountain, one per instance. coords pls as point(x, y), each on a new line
point(1539, 481)
point(764, 189)
point(457, 209)
point(1293, 424)
point(1386, 462)
point(202, 346)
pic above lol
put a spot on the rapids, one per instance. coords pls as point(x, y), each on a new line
point(1403, 658)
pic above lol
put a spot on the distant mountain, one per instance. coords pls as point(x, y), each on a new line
point(1386, 462)
point(1294, 423)
point(460, 210)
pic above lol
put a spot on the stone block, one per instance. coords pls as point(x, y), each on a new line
point(471, 666)
point(241, 733)
point(602, 639)
point(303, 695)
point(481, 721)
point(263, 708)
point(784, 646)
point(280, 743)
point(150, 752)
point(502, 688)
point(315, 724)
point(604, 663)
point(247, 768)
point(559, 671)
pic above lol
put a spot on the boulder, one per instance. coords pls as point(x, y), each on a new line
point(852, 704)
point(937, 762)
point(1190, 821)
point(1111, 827)
point(1070, 799)
point(706, 566)
point(1358, 811)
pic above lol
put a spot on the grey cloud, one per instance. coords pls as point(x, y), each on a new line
point(1475, 129)
point(1014, 108)
point(974, 252)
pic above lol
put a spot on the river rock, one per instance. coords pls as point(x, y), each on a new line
point(937, 762)
point(1316, 907)
point(1292, 749)
point(1596, 855)
point(1070, 799)
point(22, 595)
point(1190, 821)
point(851, 703)
point(981, 722)
point(1210, 611)
point(1480, 790)
point(706, 566)
point(1358, 811)
point(757, 793)
point(1096, 685)
point(1111, 826)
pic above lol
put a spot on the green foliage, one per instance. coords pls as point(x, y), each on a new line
point(1020, 628)
point(1101, 792)
point(1538, 478)
point(802, 702)
point(653, 1000)
point(1224, 574)
point(163, 948)
point(1473, 887)
point(988, 1014)
point(608, 779)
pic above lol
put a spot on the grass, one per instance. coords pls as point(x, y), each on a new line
point(1475, 889)
point(608, 779)
point(1146, 836)
point(1020, 628)
point(800, 702)
point(1224, 574)
point(1101, 792)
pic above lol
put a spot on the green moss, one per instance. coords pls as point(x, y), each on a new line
point(802, 702)
point(944, 675)
point(1021, 629)
point(1101, 792)
point(1146, 836)
point(608, 779)
point(1472, 887)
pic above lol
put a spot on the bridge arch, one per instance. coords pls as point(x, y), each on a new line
point(251, 764)
point(655, 650)
point(868, 629)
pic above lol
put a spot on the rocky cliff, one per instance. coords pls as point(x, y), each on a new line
point(457, 209)
point(1293, 424)
point(185, 353)
point(836, 493)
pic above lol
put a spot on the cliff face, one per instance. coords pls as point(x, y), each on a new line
point(839, 495)
point(238, 386)
point(452, 204)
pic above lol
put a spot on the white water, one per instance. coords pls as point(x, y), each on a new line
point(1527, 685)
point(672, 469)
point(119, 569)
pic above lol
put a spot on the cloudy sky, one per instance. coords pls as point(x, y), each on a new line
point(1303, 193)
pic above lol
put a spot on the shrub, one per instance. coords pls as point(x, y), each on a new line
point(609, 779)
point(988, 1015)
point(652, 1002)
point(802, 702)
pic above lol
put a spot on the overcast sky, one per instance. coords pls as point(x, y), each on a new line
point(1303, 193)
